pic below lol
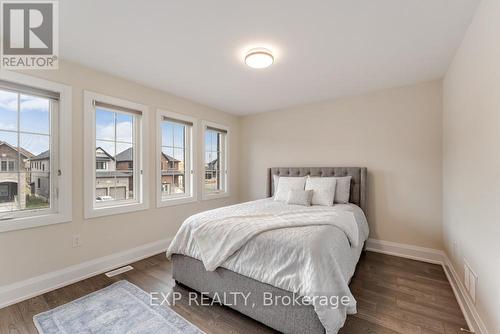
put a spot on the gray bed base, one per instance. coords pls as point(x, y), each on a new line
point(287, 319)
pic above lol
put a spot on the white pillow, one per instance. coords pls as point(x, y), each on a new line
point(323, 190)
point(276, 178)
point(343, 189)
point(287, 183)
point(300, 197)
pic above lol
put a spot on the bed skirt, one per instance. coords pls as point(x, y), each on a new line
point(281, 316)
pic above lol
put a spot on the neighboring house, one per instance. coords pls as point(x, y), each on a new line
point(110, 181)
point(40, 177)
point(172, 173)
point(125, 164)
point(211, 168)
point(13, 188)
point(114, 176)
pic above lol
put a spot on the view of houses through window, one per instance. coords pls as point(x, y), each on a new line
point(114, 156)
point(173, 158)
point(214, 160)
point(25, 157)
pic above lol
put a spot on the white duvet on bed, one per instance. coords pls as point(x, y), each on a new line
point(310, 259)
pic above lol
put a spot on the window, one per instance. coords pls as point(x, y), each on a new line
point(215, 160)
point(175, 171)
point(35, 125)
point(114, 156)
point(101, 165)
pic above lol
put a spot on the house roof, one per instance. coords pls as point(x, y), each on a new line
point(127, 155)
point(25, 153)
point(104, 155)
point(42, 156)
point(169, 158)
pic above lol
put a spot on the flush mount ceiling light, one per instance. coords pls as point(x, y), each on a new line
point(259, 58)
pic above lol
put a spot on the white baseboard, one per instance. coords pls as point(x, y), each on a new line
point(435, 256)
point(19, 291)
point(407, 251)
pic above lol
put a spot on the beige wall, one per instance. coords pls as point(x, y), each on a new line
point(471, 164)
point(396, 133)
point(31, 252)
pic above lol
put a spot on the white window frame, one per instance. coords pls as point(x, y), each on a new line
point(61, 139)
point(225, 181)
point(117, 207)
point(190, 182)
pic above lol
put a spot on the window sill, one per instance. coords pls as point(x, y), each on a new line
point(22, 223)
point(210, 196)
point(175, 201)
point(114, 210)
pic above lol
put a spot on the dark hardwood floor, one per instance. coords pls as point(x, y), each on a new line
point(394, 295)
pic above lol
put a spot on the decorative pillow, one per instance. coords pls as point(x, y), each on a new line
point(300, 197)
point(287, 183)
point(323, 190)
point(343, 189)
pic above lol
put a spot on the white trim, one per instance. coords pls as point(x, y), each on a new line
point(89, 166)
point(65, 164)
point(19, 291)
point(222, 194)
point(434, 256)
point(404, 250)
point(192, 143)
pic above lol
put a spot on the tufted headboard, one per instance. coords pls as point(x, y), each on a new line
point(358, 194)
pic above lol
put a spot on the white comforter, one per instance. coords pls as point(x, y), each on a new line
point(311, 251)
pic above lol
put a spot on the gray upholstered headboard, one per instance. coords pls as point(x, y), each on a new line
point(358, 194)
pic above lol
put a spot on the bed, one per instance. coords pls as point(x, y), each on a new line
point(258, 279)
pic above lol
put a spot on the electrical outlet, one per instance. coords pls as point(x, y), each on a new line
point(77, 241)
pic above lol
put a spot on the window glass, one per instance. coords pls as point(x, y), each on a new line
point(173, 159)
point(214, 161)
point(115, 174)
point(25, 144)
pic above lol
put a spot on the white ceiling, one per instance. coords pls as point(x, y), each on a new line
point(323, 48)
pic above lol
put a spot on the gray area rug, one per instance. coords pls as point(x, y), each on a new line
point(117, 309)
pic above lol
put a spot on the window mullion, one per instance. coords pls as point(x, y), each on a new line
point(116, 162)
point(172, 188)
point(187, 156)
point(137, 168)
point(19, 190)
